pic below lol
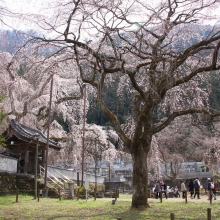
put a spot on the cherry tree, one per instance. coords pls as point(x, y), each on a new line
point(99, 141)
point(183, 140)
point(211, 155)
point(99, 146)
point(158, 52)
point(26, 83)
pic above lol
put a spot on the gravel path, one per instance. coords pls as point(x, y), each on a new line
point(203, 198)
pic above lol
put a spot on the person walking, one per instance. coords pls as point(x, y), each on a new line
point(197, 188)
point(157, 189)
point(214, 189)
point(163, 188)
point(191, 188)
point(209, 188)
point(183, 189)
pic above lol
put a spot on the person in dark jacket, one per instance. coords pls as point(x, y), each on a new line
point(163, 188)
point(157, 189)
point(197, 188)
point(191, 188)
point(209, 188)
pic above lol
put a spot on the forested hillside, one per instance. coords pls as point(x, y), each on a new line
point(12, 40)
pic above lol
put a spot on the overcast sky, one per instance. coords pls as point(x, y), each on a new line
point(22, 7)
point(35, 7)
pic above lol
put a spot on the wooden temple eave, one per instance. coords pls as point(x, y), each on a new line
point(19, 132)
point(15, 136)
point(13, 143)
point(19, 147)
point(28, 146)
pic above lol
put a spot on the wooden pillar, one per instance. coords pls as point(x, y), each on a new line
point(35, 160)
point(78, 178)
point(35, 170)
point(26, 160)
point(43, 158)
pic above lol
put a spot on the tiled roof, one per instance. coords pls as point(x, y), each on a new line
point(27, 134)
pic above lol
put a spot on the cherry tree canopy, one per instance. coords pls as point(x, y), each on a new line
point(27, 86)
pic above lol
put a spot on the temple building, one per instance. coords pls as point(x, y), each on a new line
point(27, 145)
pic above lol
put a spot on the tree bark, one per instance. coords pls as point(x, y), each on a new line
point(140, 177)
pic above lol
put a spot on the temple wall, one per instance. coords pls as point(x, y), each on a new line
point(8, 164)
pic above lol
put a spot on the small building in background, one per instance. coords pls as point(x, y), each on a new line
point(25, 144)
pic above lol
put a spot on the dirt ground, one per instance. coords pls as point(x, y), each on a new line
point(203, 198)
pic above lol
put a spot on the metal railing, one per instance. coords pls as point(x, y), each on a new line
point(51, 177)
point(64, 178)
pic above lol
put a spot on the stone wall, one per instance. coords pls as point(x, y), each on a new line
point(9, 182)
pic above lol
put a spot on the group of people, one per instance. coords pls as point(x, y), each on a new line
point(162, 187)
point(193, 186)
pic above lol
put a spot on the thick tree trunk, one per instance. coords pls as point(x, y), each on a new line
point(140, 177)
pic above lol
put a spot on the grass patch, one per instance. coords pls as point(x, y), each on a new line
point(53, 209)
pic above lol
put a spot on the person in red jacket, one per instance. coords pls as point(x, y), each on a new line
point(214, 189)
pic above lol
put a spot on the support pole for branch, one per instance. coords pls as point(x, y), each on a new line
point(83, 137)
point(48, 133)
point(36, 164)
point(109, 175)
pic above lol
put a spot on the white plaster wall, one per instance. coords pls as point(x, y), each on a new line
point(8, 164)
